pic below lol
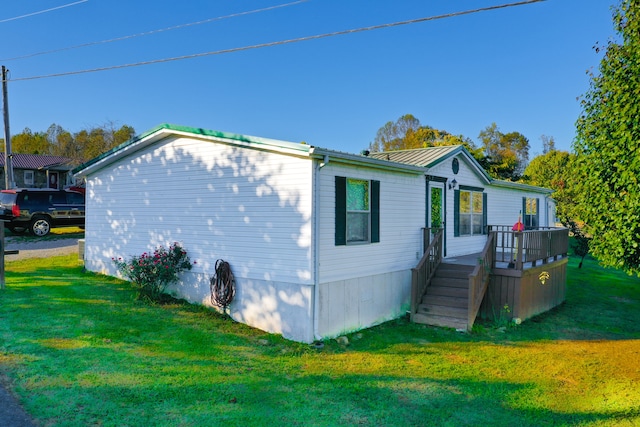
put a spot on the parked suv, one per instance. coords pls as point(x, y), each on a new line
point(38, 210)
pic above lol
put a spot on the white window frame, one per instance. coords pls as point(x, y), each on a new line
point(473, 217)
point(29, 177)
point(355, 215)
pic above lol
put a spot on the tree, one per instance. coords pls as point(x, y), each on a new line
point(407, 133)
point(392, 135)
point(606, 145)
point(28, 142)
point(555, 170)
point(63, 144)
point(124, 134)
point(79, 147)
point(507, 154)
point(97, 140)
point(581, 241)
point(548, 143)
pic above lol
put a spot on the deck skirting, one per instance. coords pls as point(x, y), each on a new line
point(522, 294)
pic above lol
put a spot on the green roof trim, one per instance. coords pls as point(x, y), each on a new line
point(521, 186)
point(243, 139)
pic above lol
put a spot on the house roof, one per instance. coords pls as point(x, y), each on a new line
point(298, 149)
point(426, 157)
point(403, 161)
point(36, 161)
point(430, 157)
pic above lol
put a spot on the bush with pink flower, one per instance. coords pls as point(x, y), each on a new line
point(151, 273)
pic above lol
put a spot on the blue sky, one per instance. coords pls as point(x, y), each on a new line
point(521, 67)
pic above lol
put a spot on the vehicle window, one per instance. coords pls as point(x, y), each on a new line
point(35, 198)
point(57, 198)
point(7, 198)
point(75, 198)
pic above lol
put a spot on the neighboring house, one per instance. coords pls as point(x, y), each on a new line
point(320, 242)
point(38, 171)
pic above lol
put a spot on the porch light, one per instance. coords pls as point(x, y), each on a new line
point(453, 184)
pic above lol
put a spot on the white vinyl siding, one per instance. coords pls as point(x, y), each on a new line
point(506, 206)
point(244, 206)
point(402, 215)
point(466, 176)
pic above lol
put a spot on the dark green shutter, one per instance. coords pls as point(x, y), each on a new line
point(524, 213)
point(375, 211)
point(484, 213)
point(341, 210)
point(456, 213)
point(536, 221)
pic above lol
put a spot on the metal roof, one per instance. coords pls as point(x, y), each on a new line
point(36, 161)
point(298, 149)
point(431, 156)
point(424, 157)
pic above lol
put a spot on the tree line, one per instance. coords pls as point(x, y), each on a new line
point(78, 146)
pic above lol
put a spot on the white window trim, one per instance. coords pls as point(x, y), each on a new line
point(29, 177)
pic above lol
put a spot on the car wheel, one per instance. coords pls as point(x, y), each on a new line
point(17, 230)
point(40, 226)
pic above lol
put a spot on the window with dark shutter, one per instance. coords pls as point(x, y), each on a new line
point(530, 208)
point(469, 212)
point(341, 211)
point(357, 211)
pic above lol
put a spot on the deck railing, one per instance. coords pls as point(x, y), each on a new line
point(421, 275)
point(539, 246)
point(479, 279)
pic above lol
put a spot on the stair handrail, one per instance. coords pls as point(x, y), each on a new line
point(479, 279)
point(422, 274)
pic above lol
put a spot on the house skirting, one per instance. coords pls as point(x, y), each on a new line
point(275, 307)
point(349, 305)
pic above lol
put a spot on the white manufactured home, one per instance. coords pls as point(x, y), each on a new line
point(320, 242)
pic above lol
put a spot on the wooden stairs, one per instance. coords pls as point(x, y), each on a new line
point(446, 301)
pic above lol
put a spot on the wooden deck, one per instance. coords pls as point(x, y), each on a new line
point(523, 271)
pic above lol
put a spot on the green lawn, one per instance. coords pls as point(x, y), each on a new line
point(79, 350)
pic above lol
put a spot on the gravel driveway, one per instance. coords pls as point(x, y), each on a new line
point(40, 248)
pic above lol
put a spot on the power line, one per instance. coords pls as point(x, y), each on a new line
point(147, 33)
point(281, 42)
point(43, 11)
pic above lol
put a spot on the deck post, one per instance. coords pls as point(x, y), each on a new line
point(519, 249)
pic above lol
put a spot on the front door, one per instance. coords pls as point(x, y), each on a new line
point(53, 180)
point(437, 209)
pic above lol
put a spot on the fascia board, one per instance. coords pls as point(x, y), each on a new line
point(362, 161)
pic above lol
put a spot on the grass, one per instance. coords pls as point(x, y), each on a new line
point(79, 350)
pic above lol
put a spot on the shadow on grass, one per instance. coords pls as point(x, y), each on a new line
point(81, 350)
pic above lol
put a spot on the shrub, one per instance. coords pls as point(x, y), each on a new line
point(152, 273)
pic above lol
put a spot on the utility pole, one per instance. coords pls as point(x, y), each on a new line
point(8, 156)
point(7, 166)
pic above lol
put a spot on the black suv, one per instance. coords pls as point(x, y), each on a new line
point(37, 210)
